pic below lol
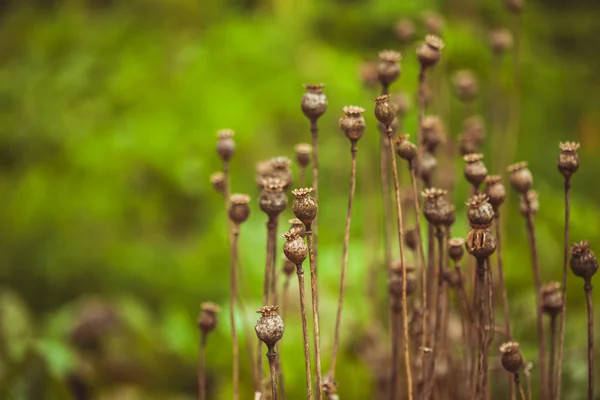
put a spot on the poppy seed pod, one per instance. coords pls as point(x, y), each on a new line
point(395, 281)
point(353, 123)
point(568, 159)
point(495, 190)
point(520, 177)
point(480, 212)
point(433, 132)
point(429, 52)
point(218, 181)
point(475, 170)
point(468, 145)
point(428, 164)
point(402, 103)
point(456, 249)
point(512, 358)
point(474, 129)
point(433, 22)
point(385, 112)
point(388, 67)
point(303, 152)
point(280, 168)
point(451, 277)
point(583, 260)
point(225, 144)
point(272, 200)
point(269, 328)
point(404, 148)
point(263, 170)
point(449, 215)
point(405, 30)
point(465, 85)
point(239, 211)
point(304, 206)
point(529, 203)
point(501, 40)
point(314, 102)
point(297, 226)
point(435, 205)
point(294, 248)
point(480, 243)
point(411, 238)
point(552, 299)
point(288, 267)
point(207, 321)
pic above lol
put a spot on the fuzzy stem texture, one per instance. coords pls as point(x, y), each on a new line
point(300, 273)
point(564, 288)
point(338, 321)
point(315, 310)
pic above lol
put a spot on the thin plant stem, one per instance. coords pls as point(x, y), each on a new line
point(272, 356)
point(528, 383)
point(338, 321)
point(564, 288)
point(517, 381)
point(490, 320)
point(402, 265)
point(202, 368)
point(271, 232)
point(272, 227)
point(480, 289)
point(300, 273)
point(387, 207)
point(232, 295)
point(515, 104)
point(465, 319)
point(537, 281)
point(315, 309)
point(552, 354)
point(590, 315)
point(394, 336)
point(314, 134)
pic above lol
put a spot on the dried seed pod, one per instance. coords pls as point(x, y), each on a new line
point(294, 248)
point(303, 152)
point(269, 328)
point(404, 148)
point(353, 123)
point(433, 22)
point(429, 52)
point(468, 145)
point(304, 206)
point(512, 358)
point(428, 164)
point(433, 132)
point(480, 243)
point(475, 170)
point(501, 40)
point(552, 298)
point(495, 190)
point(314, 102)
point(297, 226)
point(288, 267)
point(402, 103)
point(330, 388)
point(411, 238)
point(395, 281)
point(529, 203)
point(568, 159)
point(520, 177)
point(449, 215)
point(207, 321)
point(435, 205)
point(218, 181)
point(385, 112)
point(405, 30)
point(239, 211)
point(583, 260)
point(388, 67)
point(272, 200)
point(480, 212)
point(264, 170)
point(225, 144)
point(280, 168)
point(474, 129)
point(451, 277)
point(514, 6)
point(456, 249)
point(465, 85)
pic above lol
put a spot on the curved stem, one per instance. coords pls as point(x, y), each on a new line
point(202, 368)
point(564, 288)
point(402, 265)
point(590, 314)
point(338, 321)
point(518, 386)
point(315, 310)
point(272, 356)
point(300, 273)
point(232, 296)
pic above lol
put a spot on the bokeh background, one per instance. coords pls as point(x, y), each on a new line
point(112, 234)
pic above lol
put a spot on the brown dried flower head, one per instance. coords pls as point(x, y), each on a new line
point(411, 238)
point(404, 148)
point(427, 166)
point(280, 168)
point(480, 212)
point(501, 40)
point(456, 249)
point(218, 181)
point(207, 321)
point(552, 299)
point(475, 170)
point(433, 132)
point(304, 206)
point(480, 243)
point(429, 52)
point(530, 203)
point(520, 177)
point(465, 85)
point(263, 171)
point(433, 22)
point(495, 190)
point(314, 102)
point(385, 112)
point(449, 215)
point(395, 282)
point(269, 328)
point(512, 358)
point(405, 30)
point(272, 200)
point(225, 144)
point(294, 248)
point(474, 129)
point(568, 159)
point(388, 67)
point(239, 211)
point(303, 152)
point(435, 206)
point(298, 226)
point(583, 260)
point(353, 123)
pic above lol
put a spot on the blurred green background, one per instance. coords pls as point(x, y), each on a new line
point(112, 234)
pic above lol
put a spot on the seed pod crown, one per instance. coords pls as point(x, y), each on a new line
point(512, 359)
point(269, 327)
point(583, 260)
point(568, 159)
point(314, 101)
point(480, 212)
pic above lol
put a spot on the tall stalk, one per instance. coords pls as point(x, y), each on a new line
point(517, 381)
point(272, 356)
point(564, 288)
point(552, 354)
point(235, 231)
point(315, 306)
point(314, 134)
point(590, 315)
point(480, 290)
point(202, 368)
point(307, 369)
point(387, 207)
